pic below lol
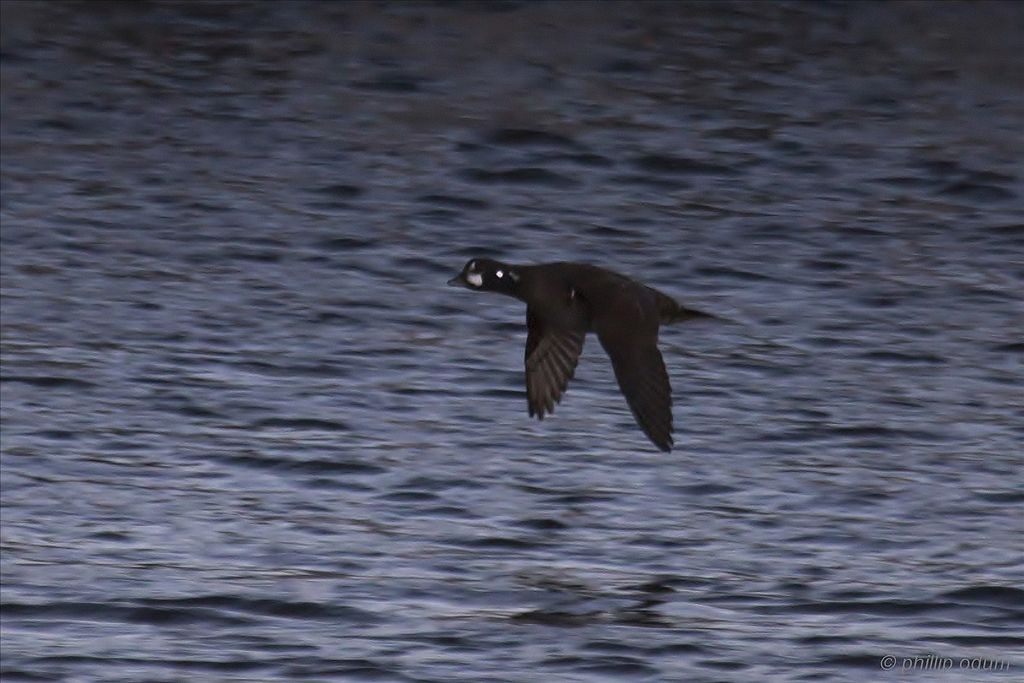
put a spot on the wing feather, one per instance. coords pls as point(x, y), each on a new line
point(551, 358)
point(640, 371)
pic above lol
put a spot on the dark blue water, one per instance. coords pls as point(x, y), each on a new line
point(249, 435)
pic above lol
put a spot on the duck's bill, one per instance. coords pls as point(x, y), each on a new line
point(457, 281)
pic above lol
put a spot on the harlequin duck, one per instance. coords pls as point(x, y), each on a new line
point(564, 301)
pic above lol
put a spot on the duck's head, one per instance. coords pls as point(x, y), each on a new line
point(487, 275)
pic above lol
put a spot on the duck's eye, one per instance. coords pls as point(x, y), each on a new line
point(500, 274)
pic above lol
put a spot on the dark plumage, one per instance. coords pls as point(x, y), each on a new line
point(564, 301)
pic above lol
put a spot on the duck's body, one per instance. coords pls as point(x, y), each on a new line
point(564, 301)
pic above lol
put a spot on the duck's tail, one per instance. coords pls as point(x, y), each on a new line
point(671, 311)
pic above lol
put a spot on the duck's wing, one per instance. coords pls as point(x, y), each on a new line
point(551, 357)
point(640, 371)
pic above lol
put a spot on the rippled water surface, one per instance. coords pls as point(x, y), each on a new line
point(249, 435)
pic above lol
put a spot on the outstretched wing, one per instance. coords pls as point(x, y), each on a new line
point(640, 371)
point(551, 357)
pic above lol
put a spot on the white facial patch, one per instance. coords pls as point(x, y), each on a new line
point(475, 279)
point(500, 274)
